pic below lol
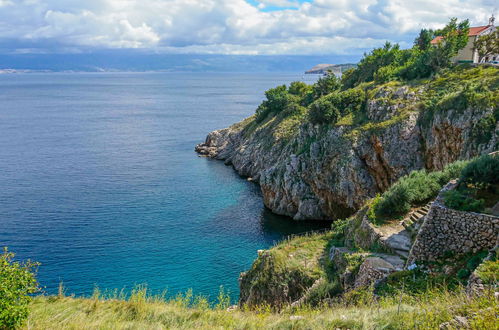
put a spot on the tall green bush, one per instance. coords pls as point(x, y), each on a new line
point(17, 282)
point(370, 64)
point(277, 100)
point(389, 62)
point(325, 110)
point(299, 88)
point(326, 85)
point(415, 189)
point(461, 200)
point(352, 100)
point(481, 172)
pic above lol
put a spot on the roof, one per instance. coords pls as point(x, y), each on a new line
point(474, 31)
point(436, 40)
point(477, 30)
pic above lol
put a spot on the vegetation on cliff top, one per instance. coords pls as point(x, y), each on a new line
point(388, 63)
point(426, 70)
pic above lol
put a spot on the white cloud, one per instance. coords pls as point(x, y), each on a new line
point(278, 3)
point(225, 26)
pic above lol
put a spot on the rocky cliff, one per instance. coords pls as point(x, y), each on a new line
point(328, 171)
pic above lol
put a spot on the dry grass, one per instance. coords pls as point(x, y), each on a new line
point(185, 312)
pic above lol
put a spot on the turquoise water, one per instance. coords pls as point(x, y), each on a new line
point(99, 181)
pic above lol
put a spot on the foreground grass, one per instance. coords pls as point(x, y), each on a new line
point(427, 311)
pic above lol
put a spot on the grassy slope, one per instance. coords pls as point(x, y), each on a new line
point(282, 274)
point(426, 312)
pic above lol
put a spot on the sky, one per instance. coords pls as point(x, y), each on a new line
point(235, 27)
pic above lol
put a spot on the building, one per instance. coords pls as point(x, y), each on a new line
point(468, 54)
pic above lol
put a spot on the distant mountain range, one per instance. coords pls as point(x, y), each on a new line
point(335, 68)
point(135, 61)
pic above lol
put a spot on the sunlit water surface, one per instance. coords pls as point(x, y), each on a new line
point(99, 181)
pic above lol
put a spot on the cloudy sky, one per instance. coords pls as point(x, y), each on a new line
point(252, 27)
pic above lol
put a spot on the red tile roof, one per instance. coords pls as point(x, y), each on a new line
point(477, 30)
point(436, 40)
point(474, 31)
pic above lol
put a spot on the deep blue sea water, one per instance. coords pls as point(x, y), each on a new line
point(99, 181)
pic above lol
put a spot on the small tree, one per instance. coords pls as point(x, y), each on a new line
point(325, 110)
point(423, 40)
point(487, 45)
point(299, 88)
point(368, 67)
point(277, 100)
point(17, 282)
point(326, 85)
point(454, 38)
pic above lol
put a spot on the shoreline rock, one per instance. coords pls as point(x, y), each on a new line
point(326, 173)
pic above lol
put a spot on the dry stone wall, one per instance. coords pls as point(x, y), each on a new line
point(445, 229)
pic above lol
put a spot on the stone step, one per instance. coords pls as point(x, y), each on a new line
point(402, 248)
point(400, 241)
point(419, 213)
point(409, 221)
point(402, 253)
point(394, 259)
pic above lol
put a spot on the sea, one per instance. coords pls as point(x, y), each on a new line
point(99, 181)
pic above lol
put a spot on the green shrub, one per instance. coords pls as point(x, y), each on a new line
point(481, 172)
point(473, 262)
point(17, 282)
point(326, 85)
point(352, 100)
point(324, 110)
point(485, 128)
point(414, 189)
point(369, 65)
point(299, 88)
point(395, 201)
point(469, 264)
point(328, 109)
point(371, 212)
point(338, 229)
point(277, 100)
point(488, 271)
point(462, 201)
point(325, 290)
point(463, 274)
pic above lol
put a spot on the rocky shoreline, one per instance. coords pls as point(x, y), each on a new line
point(325, 173)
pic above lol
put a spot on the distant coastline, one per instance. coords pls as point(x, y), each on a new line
point(335, 68)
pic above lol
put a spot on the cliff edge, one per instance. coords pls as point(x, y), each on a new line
point(309, 170)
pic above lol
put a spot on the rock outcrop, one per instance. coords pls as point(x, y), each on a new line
point(328, 172)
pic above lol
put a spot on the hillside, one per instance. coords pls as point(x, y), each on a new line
point(310, 170)
point(381, 251)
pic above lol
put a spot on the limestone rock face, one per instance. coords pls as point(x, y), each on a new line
point(328, 172)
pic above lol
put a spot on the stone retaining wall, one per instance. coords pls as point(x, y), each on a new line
point(445, 229)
